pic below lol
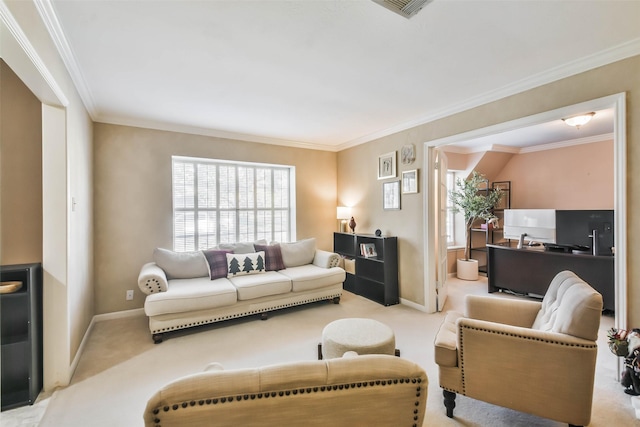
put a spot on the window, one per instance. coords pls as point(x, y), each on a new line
point(216, 201)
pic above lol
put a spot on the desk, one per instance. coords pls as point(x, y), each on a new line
point(530, 270)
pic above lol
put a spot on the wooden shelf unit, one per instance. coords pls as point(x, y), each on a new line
point(375, 277)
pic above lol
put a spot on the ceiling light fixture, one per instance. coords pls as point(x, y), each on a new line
point(406, 8)
point(579, 120)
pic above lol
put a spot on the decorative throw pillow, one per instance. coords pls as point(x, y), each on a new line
point(273, 256)
point(298, 253)
point(217, 260)
point(241, 264)
point(181, 265)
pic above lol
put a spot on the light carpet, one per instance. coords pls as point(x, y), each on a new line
point(121, 368)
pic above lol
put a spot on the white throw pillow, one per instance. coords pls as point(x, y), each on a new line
point(241, 264)
point(298, 253)
point(181, 265)
point(241, 247)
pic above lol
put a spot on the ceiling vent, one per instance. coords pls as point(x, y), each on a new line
point(406, 8)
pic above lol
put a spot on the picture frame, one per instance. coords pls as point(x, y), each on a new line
point(391, 195)
point(387, 165)
point(408, 154)
point(368, 250)
point(410, 181)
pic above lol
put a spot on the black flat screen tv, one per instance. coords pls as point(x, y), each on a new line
point(573, 227)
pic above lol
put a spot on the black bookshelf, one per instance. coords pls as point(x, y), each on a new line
point(21, 336)
point(374, 277)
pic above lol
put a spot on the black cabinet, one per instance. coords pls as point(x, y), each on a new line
point(21, 335)
point(529, 271)
point(372, 273)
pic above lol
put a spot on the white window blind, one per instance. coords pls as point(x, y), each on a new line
point(221, 202)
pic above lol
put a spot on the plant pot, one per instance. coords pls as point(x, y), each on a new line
point(467, 270)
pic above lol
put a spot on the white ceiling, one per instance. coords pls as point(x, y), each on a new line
point(322, 73)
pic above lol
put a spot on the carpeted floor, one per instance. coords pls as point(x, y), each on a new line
point(121, 367)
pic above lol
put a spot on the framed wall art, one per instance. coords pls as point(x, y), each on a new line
point(391, 195)
point(408, 154)
point(387, 165)
point(410, 181)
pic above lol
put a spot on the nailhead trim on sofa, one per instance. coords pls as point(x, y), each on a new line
point(281, 393)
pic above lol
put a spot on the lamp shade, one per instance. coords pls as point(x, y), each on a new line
point(343, 212)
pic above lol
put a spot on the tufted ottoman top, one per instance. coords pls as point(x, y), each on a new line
point(364, 336)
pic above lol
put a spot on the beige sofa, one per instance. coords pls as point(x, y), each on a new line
point(533, 357)
point(234, 280)
point(368, 390)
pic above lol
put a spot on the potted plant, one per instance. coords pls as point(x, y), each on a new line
point(474, 203)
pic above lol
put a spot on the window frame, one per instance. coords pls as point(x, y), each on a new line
point(253, 210)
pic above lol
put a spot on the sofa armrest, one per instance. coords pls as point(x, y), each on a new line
point(502, 310)
point(326, 259)
point(152, 279)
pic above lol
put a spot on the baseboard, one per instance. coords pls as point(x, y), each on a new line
point(119, 315)
point(413, 305)
point(100, 318)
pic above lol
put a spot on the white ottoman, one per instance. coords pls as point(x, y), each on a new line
point(364, 336)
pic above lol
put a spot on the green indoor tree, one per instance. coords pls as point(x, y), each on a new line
point(474, 203)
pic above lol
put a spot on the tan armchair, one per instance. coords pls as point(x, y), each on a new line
point(530, 356)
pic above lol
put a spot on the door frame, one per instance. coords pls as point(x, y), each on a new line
point(618, 103)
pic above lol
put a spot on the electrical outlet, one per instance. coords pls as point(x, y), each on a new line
point(129, 294)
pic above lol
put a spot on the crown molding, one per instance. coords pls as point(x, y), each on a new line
point(51, 22)
point(608, 56)
point(569, 143)
point(498, 148)
point(194, 130)
point(616, 53)
point(59, 97)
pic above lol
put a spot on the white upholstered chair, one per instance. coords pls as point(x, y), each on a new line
point(530, 356)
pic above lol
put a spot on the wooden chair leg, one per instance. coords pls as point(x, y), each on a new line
point(449, 402)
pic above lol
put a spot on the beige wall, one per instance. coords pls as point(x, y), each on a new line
point(356, 162)
point(66, 132)
point(133, 207)
point(21, 171)
point(359, 188)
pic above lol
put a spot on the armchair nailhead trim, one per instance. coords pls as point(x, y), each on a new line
point(185, 405)
point(491, 331)
point(243, 314)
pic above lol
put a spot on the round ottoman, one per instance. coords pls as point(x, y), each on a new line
point(364, 336)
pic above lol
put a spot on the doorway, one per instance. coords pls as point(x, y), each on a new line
point(617, 103)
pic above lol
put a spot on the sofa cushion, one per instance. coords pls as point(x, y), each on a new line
point(181, 265)
point(217, 260)
point(187, 295)
point(309, 276)
point(241, 247)
point(298, 253)
point(259, 285)
point(273, 256)
point(241, 264)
